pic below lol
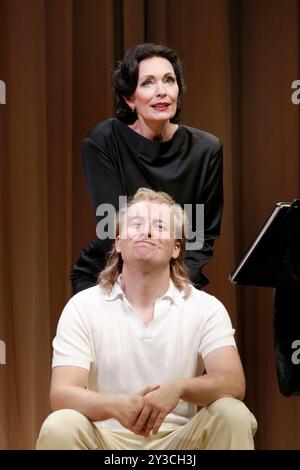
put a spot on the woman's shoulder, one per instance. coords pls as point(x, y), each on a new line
point(205, 138)
point(103, 129)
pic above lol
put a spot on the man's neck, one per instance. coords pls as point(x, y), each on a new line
point(143, 289)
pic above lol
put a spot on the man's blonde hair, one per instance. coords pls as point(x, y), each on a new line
point(178, 269)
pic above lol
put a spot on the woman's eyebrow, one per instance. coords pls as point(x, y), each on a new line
point(153, 76)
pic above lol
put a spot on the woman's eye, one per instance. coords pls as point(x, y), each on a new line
point(170, 79)
point(147, 82)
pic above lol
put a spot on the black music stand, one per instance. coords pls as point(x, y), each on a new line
point(273, 260)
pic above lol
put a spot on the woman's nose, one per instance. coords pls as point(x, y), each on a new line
point(160, 89)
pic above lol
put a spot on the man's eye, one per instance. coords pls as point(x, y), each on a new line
point(134, 223)
point(161, 227)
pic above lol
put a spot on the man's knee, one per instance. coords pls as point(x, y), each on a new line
point(60, 430)
point(233, 414)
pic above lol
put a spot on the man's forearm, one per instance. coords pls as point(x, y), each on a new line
point(210, 387)
point(95, 406)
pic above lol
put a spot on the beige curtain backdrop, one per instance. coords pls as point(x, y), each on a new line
point(56, 58)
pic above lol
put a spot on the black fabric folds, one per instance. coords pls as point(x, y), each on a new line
point(118, 161)
point(286, 323)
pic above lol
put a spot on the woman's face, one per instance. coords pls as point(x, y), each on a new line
point(156, 94)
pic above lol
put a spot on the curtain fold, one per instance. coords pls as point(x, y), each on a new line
point(24, 270)
point(56, 59)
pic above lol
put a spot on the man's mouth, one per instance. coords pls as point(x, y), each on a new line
point(147, 242)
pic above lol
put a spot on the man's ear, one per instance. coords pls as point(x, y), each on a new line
point(118, 244)
point(176, 250)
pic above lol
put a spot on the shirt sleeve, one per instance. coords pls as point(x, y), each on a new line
point(105, 187)
point(103, 179)
point(212, 198)
point(72, 343)
point(217, 330)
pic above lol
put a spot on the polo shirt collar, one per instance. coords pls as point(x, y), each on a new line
point(172, 293)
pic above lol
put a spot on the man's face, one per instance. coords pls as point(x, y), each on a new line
point(147, 234)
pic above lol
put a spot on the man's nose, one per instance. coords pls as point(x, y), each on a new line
point(145, 230)
point(150, 230)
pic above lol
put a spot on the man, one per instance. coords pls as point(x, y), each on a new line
point(128, 352)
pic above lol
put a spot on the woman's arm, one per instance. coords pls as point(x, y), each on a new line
point(105, 187)
point(212, 198)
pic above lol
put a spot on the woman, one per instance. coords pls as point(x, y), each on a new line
point(145, 146)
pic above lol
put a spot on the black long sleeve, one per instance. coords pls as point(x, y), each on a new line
point(212, 199)
point(105, 186)
point(117, 161)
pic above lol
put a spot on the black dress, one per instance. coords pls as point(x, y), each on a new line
point(118, 161)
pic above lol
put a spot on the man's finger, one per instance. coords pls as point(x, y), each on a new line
point(146, 390)
point(149, 426)
point(159, 420)
point(140, 423)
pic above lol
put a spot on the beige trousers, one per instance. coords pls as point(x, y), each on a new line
point(225, 424)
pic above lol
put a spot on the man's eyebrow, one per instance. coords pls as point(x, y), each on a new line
point(164, 220)
point(132, 217)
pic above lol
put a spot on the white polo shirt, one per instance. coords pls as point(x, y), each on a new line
point(102, 333)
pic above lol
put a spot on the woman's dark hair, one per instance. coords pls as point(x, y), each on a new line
point(125, 77)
